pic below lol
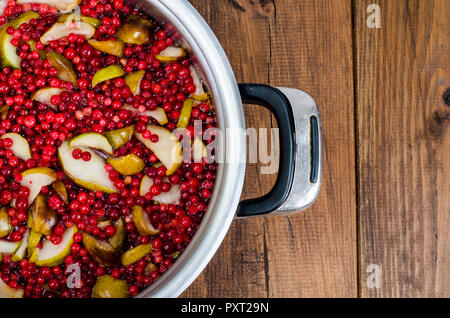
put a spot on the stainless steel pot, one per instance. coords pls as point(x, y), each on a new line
point(300, 171)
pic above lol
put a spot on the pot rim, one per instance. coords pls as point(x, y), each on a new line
point(232, 152)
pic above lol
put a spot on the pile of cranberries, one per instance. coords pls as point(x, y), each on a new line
point(80, 109)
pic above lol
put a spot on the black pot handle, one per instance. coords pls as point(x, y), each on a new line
point(274, 100)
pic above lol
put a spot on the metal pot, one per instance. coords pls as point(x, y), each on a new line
point(300, 167)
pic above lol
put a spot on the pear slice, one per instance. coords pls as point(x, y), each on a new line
point(8, 247)
point(171, 54)
point(36, 178)
point(127, 165)
point(61, 30)
point(9, 292)
point(92, 140)
point(150, 268)
point(5, 223)
point(111, 47)
point(51, 254)
point(60, 188)
point(135, 30)
point(118, 239)
point(33, 242)
point(167, 148)
point(199, 93)
point(185, 113)
point(87, 174)
point(66, 72)
point(199, 150)
point(133, 255)
point(109, 287)
point(45, 94)
point(8, 55)
point(142, 221)
point(42, 53)
point(20, 146)
point(119, 137)
point(22, 250)
point(159, 114)
point(4, 109)
point(42, 219)
point(171, 197)
point(73, 17)
point(133, 81)
point(60, 5)
point(107, 73)
point(101, 251)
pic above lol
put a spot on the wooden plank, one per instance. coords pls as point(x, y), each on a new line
point(305, 44)
point(404, 147)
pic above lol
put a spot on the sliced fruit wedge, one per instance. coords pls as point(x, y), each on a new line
point(33, 242)
point(199, 150)
point(101, 251)
point(157, 165)
point(111, 47)
point(60, 5)
point(20, 146)
point(8, 55)
point(103, 224)
point(107, 73)
point(42, 219)
point(171, 54)
point(42, 53)
point(22, 250)
point(167, 148)
point(159, 114)
point(36, 178)
point(185, 113)
point(8, 292)
point(199, 93)
point(51, 254)
point(150, 268)
point(142, 221)
point(87, 174)
point(66, 72)
point(109, 287)
point(135, 30)
point(119, 137)
point(127, 165)
point(8, 247)
point(45, 94)
point(60, 188)
point(92, 140)
point(118, 239)
point(4, 110)
point(61, 30)
point(5, 223)
point(133, 81)
point(73, 17)
point(133, 255)
point(171, 197)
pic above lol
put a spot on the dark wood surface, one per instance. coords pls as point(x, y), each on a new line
point(403, 70)
point(385, 194)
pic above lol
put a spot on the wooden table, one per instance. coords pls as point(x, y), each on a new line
point(384, 207)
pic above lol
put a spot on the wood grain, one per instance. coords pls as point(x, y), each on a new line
point(308, 45)
point(403, 69)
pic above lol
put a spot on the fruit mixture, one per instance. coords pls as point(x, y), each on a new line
point(97, 198)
